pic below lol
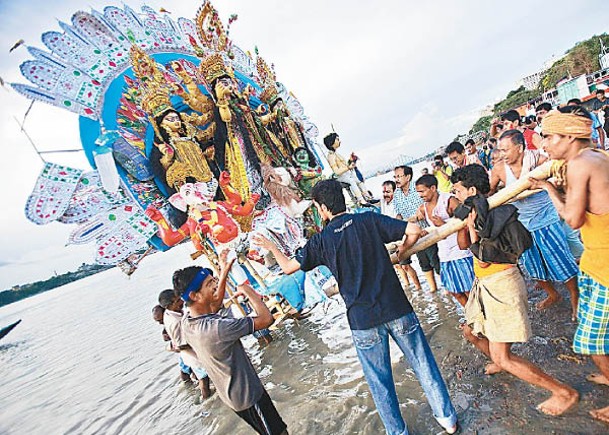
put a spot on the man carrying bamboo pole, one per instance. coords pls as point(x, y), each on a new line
point(550, 258)
point(352, 246)
point(456, 265)
point(496, 311)
point(406, 202)
point(567, 136)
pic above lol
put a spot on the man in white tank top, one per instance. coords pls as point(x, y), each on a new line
point(549, 259)
point(456, 265)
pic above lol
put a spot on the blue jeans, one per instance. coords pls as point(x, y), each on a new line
point(372, 347)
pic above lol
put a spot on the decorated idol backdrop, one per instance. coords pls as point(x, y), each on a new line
point(189, 137)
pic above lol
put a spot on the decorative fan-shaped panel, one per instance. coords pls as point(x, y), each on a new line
point(115, 46)
point(41, 73)
point(128, 24)
point(187, 27)
point(89, 199)
point(93, 30)
point(37, 94)
point(72, 50)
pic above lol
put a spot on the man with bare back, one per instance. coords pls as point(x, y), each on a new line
point(566, 136)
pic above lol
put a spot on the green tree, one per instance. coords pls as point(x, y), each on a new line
point(580, 59)
point(482, 124)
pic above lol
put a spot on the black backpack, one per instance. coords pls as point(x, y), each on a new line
point(503, 238)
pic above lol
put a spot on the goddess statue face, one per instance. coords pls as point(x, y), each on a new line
point(302, 156)
point(171, 122)
point(225, 84)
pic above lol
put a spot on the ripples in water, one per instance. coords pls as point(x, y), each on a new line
point(88, 358)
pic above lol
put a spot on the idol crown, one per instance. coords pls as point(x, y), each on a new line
point(156, 102)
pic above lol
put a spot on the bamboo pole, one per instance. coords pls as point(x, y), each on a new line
point(453, 225)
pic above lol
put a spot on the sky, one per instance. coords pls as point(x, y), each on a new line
point(393, 77)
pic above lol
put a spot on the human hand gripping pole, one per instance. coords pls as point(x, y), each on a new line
point(453, 225)
point(263, 318)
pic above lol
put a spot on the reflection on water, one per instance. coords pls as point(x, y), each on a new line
point(88, 358)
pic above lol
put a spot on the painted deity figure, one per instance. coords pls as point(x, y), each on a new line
point(241, 144)
point(344, 171)
point(308, 172)
point(289, 131)
point(177, 155)
point(206, 218)
point(278, 120)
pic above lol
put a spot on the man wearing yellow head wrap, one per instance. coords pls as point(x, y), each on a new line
point(566, 136)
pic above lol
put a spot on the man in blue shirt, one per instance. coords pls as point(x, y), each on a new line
point(352, 246)
point(406, 202)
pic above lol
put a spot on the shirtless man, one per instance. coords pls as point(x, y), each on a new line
point(549, 259)
point(567, 136)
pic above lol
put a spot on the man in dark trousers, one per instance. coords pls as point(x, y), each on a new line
point(352, 246)
point(216, 339)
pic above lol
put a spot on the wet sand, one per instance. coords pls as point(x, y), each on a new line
point(502, 404)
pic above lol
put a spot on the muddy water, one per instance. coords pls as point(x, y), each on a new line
point(87, 358)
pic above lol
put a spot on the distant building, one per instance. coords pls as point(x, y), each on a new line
point(573, 88)
point(532, 81)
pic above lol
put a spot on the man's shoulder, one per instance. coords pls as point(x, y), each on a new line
point(499, 169)
point(172, 316)
point(589, 160)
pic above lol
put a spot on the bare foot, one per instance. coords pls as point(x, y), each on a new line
point(492, 369)
point(601, 414)
point(597, 378)
point(557, 404)
point(549, 301)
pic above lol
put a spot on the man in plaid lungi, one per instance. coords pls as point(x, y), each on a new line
point(566, 136)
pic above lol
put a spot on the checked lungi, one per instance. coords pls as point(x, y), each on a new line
point(592, 333)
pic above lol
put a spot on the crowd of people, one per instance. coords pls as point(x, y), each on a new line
point(557, 232)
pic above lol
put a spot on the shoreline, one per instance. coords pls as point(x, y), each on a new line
point(501, 403)
point(22, 291)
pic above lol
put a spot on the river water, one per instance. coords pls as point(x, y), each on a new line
point(88, 358)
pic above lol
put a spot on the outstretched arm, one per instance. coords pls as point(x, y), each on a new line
point(225, 267)
point(412, 234)
point(288, 265)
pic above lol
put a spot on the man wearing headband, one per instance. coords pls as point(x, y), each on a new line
point(567, 137)
point(549, 259)
point(216, 339)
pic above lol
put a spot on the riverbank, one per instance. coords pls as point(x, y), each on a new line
point(22, 291)
point(503, 404)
